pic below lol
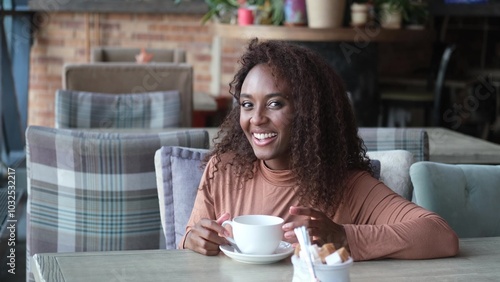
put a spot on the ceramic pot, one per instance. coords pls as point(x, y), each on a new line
point(295, 12)
point(325, 13)
point(359, 14)
point(245, 16)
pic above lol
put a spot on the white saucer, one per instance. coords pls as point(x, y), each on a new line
point(284, 250)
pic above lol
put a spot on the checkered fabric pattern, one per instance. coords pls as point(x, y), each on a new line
point(178, 175)
point(95, 190)
point(414, 140)
point(79, 109)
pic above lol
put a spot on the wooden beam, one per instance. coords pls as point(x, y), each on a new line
point(120, 6)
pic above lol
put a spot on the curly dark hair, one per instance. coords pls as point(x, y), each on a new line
point(325, 146)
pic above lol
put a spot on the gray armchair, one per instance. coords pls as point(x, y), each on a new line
point(95, 190)
point(123, 78)
point(76, 109)
point(467, 196)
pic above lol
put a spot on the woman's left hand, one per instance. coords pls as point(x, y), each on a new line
point(320, 227)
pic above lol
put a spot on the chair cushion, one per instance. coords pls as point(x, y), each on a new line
point(79, 109)
point(466, 196)
point(395, 170)
point(178, 174)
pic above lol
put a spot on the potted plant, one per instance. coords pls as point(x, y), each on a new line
point(222, 11)
point(393, 12)
point(225, 11)
point(295, 12)
point(268, 11)
point(360, 12)
point(418, 15)
point(246, 13)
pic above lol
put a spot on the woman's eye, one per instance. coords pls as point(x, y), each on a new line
point(245, 104)
point(275, 104)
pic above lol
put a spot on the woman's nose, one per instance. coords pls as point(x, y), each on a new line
point(258, 118)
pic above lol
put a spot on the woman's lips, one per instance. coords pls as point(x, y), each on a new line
point(261, 136)
point(262, 139)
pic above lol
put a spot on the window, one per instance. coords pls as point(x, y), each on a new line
point(15, 44)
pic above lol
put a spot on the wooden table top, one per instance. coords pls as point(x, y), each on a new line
point(448, 146)
point(478, 260)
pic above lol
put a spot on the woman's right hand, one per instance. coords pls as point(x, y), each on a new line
point(206, 236)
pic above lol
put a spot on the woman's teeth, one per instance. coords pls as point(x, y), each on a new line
point(261, 136)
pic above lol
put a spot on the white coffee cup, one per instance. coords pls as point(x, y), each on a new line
point(256, 234)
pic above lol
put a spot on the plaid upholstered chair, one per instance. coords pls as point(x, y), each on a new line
point(95, 191)
point(79, 109)
point(133, 78)
point(414, 140)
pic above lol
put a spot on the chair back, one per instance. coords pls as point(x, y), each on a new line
point(439, 83)
point(123, 78)
point(79, 109)
point(466, 196)
point(414, 140)
point(95, 190)
point(414, 92)
point(122, 54)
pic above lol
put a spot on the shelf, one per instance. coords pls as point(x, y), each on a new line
point(320, 34)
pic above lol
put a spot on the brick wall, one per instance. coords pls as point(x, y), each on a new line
point(68, 38)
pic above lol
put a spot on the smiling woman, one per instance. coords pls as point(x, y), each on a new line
point(292, 150)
